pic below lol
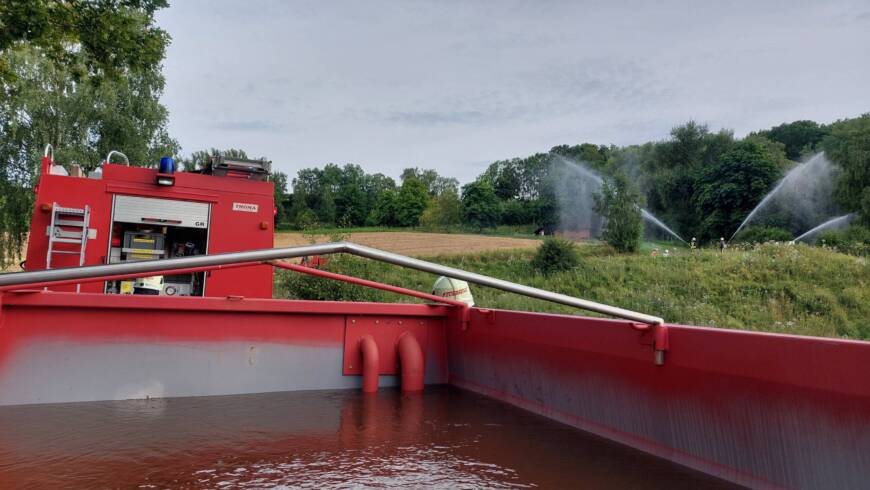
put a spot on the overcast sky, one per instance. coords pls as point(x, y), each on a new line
point(456, 85)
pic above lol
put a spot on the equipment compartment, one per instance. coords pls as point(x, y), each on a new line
point(149, 210)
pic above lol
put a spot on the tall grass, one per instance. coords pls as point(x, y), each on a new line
point(775, 288)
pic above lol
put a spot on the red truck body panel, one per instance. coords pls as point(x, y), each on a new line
point(230, 230)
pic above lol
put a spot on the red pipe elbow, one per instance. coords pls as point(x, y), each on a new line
point(371, 363)
point(411, 362)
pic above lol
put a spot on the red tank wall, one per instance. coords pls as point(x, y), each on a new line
point(230, 231)
point(763, 410)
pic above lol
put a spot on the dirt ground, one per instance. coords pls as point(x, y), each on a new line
point(416, 243)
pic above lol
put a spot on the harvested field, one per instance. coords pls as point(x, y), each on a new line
point(402, 242)
point(416, 243)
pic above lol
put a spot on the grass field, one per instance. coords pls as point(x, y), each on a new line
point(775, 288)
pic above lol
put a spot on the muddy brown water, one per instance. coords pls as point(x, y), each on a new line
point(443, 438)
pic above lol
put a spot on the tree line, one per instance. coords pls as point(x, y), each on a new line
point(702, 183)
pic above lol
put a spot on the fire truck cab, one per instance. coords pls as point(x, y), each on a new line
point(121, 213)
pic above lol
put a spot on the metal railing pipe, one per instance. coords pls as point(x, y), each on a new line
point(503, 285)
point(54, 275)
point(116, 152)
point(365, 283)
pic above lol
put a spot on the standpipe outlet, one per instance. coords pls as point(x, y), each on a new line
point(410, 362)
point(371, 363)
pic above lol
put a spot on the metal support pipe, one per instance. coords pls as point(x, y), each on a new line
point(365, 283)
point(26, 278)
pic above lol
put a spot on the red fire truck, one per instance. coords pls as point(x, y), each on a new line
point(122, 213)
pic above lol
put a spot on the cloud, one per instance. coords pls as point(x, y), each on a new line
point(436, 118)
point(441, 84)
point(252, 125)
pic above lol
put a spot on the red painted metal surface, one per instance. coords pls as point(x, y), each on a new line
point(101, 279)
point(758, 409)
point(209, 345)
point(411, 361)
point(88, 317)
point(385, 331)
point(230, 231)
point(370, 363)
point(51, 300)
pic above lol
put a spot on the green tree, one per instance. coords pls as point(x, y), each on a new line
point(728, 191)
point(84, 77)
point(516, 212)
point(519, 178)
point(315, 189)
point(199, 159)
point(384, 211)
point(435, 184)
point(443, 211)
point(351, 203)
point(594, 156)
point(507, 184)
point(848, 146)
point(412, 200)
point(620, 206)
point(373, 185)
point(673, 170)
point(341, 195)
point(799, 137)
point(480, 205)
point(107, 37)
point(279, 179)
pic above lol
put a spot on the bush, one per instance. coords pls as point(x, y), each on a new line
point(296, 285)
point(443, 212)
point(853, 240)
point(763, 234)
point(305, 219)
point(556, 254)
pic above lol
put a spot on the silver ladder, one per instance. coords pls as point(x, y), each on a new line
point(68, 225)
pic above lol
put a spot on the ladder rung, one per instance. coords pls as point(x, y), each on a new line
point(71, 211)
point(77, 235)
point(68, 222)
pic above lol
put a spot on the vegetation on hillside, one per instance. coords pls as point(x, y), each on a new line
point(774, 287)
